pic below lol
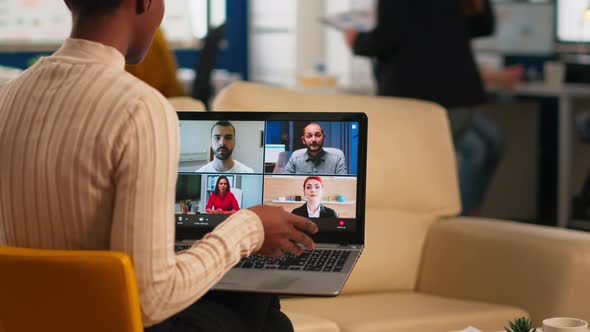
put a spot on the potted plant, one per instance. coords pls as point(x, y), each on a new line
point(521, 324)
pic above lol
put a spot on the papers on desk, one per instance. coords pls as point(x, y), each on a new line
point(468, 329)
point(473, 329)
point(358, 19)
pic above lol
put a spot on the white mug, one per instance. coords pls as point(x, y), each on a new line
point(564, 324)
point(554, 73)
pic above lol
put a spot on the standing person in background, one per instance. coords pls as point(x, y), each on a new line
point(422, 49)
point(97, 149)
point(505, 78)
point(158, 68)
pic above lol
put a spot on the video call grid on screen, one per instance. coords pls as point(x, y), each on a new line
point(272, 170)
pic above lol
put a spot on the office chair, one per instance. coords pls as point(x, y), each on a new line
point(67, 291)
point(238, 195)
point(202, 88)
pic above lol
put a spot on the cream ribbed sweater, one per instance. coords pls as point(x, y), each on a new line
point(88, 160)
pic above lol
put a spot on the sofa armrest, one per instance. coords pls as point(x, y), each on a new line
point(543, 270)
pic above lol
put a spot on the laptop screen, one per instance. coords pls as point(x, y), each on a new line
point(310, 164)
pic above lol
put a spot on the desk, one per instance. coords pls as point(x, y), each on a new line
point(564, 93)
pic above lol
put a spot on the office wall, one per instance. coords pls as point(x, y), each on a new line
point(234, 58)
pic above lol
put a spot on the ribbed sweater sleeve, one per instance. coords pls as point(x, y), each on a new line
point(145, 181)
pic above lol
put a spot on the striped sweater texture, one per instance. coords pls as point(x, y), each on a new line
point(89, 159)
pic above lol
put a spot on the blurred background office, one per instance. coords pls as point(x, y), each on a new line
point(210, 43)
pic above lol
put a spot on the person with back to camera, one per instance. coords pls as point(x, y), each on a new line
point(223, 142)
point(104, 168)
point(316, 160)
point(313, 190)
point(222, 201)
point(422, 50)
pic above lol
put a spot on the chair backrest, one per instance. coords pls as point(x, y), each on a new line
point(208, 55)
point(238, 195)
point(281, 162)
point(56, 290)
point(186, 104)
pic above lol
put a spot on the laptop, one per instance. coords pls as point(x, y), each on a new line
point(273, 168)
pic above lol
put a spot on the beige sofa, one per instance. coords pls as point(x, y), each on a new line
point(423, 268)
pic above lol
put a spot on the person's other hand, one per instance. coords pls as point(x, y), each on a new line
point(283, 231)
point(350, 37)
point(506, 78)
point(514, 74)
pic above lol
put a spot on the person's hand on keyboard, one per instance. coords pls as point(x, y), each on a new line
point(284, 231)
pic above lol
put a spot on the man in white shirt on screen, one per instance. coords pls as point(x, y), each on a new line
point(223, 141)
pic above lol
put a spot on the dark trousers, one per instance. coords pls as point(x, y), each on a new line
point(229, 311)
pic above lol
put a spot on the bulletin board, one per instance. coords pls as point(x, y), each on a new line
point(521, 28)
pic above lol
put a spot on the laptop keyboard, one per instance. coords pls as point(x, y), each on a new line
point(322, 260)
point(319, 260)
point(181, 247)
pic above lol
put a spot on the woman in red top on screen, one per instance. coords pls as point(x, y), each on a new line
point(222, 201)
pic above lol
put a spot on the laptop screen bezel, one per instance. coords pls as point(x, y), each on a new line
point(356, 237)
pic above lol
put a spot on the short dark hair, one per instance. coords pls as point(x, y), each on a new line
point(312, 123)
point(223, 123)
point(85, 7)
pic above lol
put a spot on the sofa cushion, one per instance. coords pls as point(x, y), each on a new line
point(310, 323)
point(393, 248)
point(541, 269)
point(186, 104)
point(404, 312)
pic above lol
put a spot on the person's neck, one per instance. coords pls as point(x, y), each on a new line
point(223, 165)
point(314, 154)
point(102, 30)
point(313, 206)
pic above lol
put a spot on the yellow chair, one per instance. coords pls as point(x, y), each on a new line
point(63, 291)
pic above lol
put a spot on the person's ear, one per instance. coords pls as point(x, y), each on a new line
point(142, 6)
point(303, 140)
